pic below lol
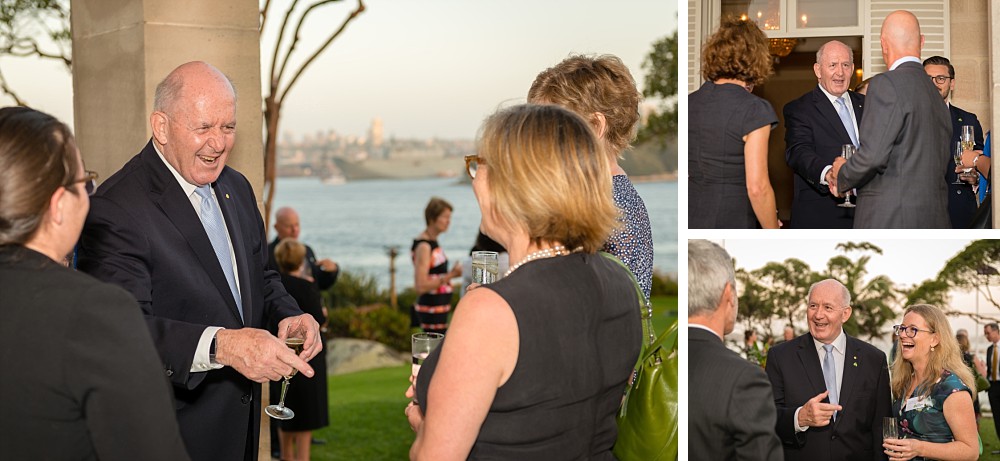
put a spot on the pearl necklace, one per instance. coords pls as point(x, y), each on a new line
point(557, 250)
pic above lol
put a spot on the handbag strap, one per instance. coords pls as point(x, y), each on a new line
point(645, 307)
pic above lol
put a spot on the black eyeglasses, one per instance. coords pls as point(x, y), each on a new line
point(910, 331)
point(89, 181)
point(472, 163)
point(940, 79)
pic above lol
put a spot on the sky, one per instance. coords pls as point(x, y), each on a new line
point(428, 68)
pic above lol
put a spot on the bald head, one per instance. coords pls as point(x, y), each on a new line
point(286, 222)
point(900, 36)
point(187, 81)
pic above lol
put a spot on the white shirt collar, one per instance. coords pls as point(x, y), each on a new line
point(904, 59)
point(186, 186)
point(839, 344)
point(833, 99)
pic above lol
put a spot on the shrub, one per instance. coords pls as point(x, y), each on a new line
point(664, 285)
point(376, 323)
point(352, 290)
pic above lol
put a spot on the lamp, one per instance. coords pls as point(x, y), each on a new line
point(781, 47)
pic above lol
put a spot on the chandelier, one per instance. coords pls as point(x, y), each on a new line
point(781, 47)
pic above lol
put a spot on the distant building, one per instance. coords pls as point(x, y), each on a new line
point(375, 133)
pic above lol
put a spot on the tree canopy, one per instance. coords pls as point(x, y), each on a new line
point(34, 29)
point(661, 82)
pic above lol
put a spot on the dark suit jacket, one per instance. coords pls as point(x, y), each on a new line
point(904, 148)
point(814, 135)
point(143, 234)
point(81, 378)
point(797, 376)
point(962, 203)
point(324, 279)
point(729, 404)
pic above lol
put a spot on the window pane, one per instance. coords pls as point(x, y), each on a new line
point(767, 13)
point(826, 13)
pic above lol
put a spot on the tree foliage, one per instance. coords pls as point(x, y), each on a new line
point(975, 268)
point(283, 75)
point(873, 299)
point(661, 82)
point(34, 29)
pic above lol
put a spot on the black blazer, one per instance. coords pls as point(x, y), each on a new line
point(814, 135)
point(324, 279)
point(962, 204)
point(81, 377)
point(143, 234)
point(797, 376)
point(729, 404)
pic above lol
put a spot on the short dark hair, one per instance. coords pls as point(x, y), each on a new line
point(993, 326)
point(941, 61)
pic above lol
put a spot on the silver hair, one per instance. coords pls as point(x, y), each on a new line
point(819, 52)
point(710, 268)
point(845, 294)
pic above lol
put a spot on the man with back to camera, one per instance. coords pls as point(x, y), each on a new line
point(182, 233)
point(740, 425)
point(831, 390)
point(962, 203)
point(817, 125)
point(904, 140)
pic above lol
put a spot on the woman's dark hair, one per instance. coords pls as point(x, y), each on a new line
point(485, 243)
point(435, 207)
point(38, 155)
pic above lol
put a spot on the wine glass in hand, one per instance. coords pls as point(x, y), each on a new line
point(846, 151)
point(890, 428)
point(958, 160)
point(280, 411)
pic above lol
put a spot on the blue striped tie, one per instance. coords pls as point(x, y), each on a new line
point(211, 218)
point(830, 375)
point(845, 118)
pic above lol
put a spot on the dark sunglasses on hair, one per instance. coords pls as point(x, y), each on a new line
point(89, 181)
point(472, 163)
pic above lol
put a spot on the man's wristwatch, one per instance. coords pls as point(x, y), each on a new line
point(211, 352)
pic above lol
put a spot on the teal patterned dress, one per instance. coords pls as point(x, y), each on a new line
point(925, 421)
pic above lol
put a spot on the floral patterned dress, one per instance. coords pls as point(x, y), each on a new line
point(923, 417)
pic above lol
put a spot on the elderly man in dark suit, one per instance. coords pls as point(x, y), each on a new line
point(831, 390)
point(817, 125)
point(181, 232)
point(739, 426)
point(962, 203)
point(904, 140)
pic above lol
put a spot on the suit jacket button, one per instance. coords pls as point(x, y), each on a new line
point(170, 373)
point(959, 192)
point(246, 399)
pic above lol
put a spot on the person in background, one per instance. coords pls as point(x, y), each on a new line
point(515, 377)
point(862, 87)
point(973, 363)
point(324, 271)
point(431, 277)
point(992, 332)
point(182, 233)
point(82, 379)
point(602, 91)
point(961, 198)
point(728, 131)
point(307, 396)
point(818, 124)
point(787, 335)
point(932, 391)
point(740, 427)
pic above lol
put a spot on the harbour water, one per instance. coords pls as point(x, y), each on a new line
point(355, 223)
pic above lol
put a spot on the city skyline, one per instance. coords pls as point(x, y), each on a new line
point(432, 69)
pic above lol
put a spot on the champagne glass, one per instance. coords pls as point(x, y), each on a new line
point(485, 267)
point(422, 345)
point(968, 138)
point(846, 151)
point(958, 160)
point(280, 411)
point(890, 428)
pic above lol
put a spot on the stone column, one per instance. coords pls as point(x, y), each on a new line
point(970, 54)
point(123, 48)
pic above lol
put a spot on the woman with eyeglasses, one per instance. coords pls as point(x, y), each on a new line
point(81, 377)
point(534, 364)
point(932, 391)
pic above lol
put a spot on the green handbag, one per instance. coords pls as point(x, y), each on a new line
point(647, 420)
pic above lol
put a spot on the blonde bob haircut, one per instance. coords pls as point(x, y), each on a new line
point(289, 255)
point(548, 177)
point(945, 356)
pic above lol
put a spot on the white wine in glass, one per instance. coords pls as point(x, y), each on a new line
point(846, 151)
point(280, 411)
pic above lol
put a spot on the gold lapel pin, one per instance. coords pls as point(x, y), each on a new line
point(227, 196)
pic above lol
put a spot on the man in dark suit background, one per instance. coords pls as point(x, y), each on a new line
point(904, 140)
point(286, 223)
point(962, 203)
point(817, 125)
point(739, 426)
point(831, 390)
point(992, 332)
point(182, 233)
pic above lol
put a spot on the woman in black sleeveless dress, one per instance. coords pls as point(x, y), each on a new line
point(535, 364)
point(431, 277)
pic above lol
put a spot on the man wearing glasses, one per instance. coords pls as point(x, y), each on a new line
point(961, 199)
point(831, 390)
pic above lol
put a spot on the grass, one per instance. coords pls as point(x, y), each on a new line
point(989, 436)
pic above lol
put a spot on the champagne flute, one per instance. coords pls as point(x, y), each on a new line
point(890, 428)
point(958, 160)
point(422, 345)
point(968, 138)
point(485, 267)
point(280, 411)
point(846, 151)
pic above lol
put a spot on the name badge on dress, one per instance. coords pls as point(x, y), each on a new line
point(916, 403)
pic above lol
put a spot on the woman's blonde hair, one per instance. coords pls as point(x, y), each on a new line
point(546, 175)
point(945, 356)
point(289, 255)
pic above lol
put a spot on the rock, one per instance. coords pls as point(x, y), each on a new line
point(347, 355)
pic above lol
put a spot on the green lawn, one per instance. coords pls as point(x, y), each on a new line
point(664, 312)
point(989, 436)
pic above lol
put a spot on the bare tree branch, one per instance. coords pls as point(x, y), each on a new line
point(8, 91)
point(263, 16)
point(296, 36)
point(354, 14)
point(277, 47)
point(971, 315)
